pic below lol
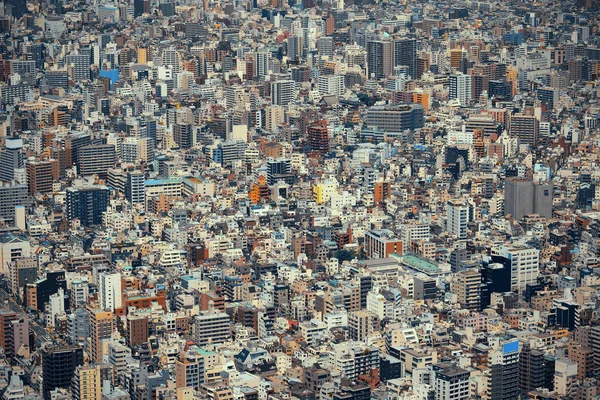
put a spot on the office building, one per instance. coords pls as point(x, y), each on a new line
point(13, 246)
point(283, 92)
point(525, 197)
point(395, 119)
point(97, 159)
point(522, 262)
point(318, 136)
point(58, 367)
point(102, 325)
point(137, 330)
point(361, 324)
point(134, 188)
point(110, 295)
point(382, 243)
point(11, 158)
point(87, 204)
point(41, 175)
point(279, 169)
point(503, 381)
point(458, 218)
point(79, 66)
point(450, 382)
point(460, 88)
point(380, 59)
point(11, 196)
point(211, 327)
point(183, 134)
point(405, 54)
point(526, 128)
point(332, 85)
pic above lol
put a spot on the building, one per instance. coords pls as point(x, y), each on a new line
point(524, 197)
point(183, 134)
point(318, 136)
point(522, 262)
point(526, 128)
point(97, 159)
point(58, 367)
point(331, 85)
point(134, 188)
point(565, 377)
point(87, 204)
point(79, 66)
point(41, 175)
point(450, 382)
point(110, 295)
point(137, 330)
point(102, 324)
point(361, 324)
point(279, 170)
point(11, 196)
point(87, 383)
point(283, 92)
point(503, 380)
point(11, 158)
point(467, 286)
point(380, 59)
point(405, 54)
point(381, 243)
point(211, 327)
point(458, 218)
point(460, 88)
point(13, 246)
point(395, 119)
point(189, 370)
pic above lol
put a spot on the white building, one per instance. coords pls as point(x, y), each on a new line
point(331, 85)
point(458, 217)
point(460, 88)
point(110, 294)
point(524, 264)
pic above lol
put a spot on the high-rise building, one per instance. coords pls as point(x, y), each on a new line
point(189, 370)
point(11, 158)
point(13, 246)
point(41, 175)
point(524, 197)
point(283, 92)
point(88, 381)
point(331, 85)
point(11, 196)
point(134, 188)
point(458, 218)
point(361, 324)
point(395, 119)
point(450, 382)
point(467, 286)
point(503, 381)
point(460, 88)
point(325, 46)
point(380, 58)
point(318, 136)
point(405, 53)
point(97, 159)
point(87, 204)
point(532, 368)
point(183, 134)
point(110, 295)
point(565, 378)
point(279, 169)
point(523, 263)
point(58, 367)
point(212, 327)
point(73, 144)
point(101, 327)
point(137, 330)
point(381, 243)
point(526, 128)
point(79, 65)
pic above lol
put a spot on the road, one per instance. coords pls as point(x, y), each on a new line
point(41, 336)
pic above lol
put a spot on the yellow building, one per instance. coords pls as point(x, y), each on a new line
point(87, 383)
point(324, 190)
